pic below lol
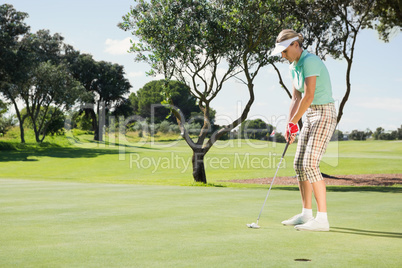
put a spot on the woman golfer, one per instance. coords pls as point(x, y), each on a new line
point(312, 95)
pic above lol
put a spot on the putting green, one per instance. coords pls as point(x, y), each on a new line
point(63, 224)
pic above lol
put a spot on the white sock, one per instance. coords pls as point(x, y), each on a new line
point(308, 213)
point(322, 216)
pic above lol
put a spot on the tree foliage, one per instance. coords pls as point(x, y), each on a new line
point(104, 83)
point(47, 81)
point(332, 27)
point(203, 44)
point(155, 92)
point(255, 129)
point(36, 68)
point(13, 64)
point(53, 91)
point(358, 135)
point(389, 18)
point(381, 134)
point(12, 26)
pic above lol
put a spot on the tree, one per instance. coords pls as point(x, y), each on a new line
point(399, 133)
point(389, 14)
point(13, 64)
point(83, 68)
point(46, 82)
point(389, 136)
point(103, 81)
point(349, 18)
point(109, 85)
point(3, 108)
point(358, 135)
point(278, 137)
point(380, 134)
point(337, 136)
point(11, 28)
point(155, 92)
point(53, 117)
point(331, 28)
point(307, 18)
point(191, 40)
point(255, 129)
point(51, 86)
point(5, 122)
point(377, 133)
point(124, 108)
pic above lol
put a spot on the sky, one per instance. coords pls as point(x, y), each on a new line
point(90, 26)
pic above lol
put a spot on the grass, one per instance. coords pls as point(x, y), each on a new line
point(59, 224)
point(167, 161)
point(72, 202)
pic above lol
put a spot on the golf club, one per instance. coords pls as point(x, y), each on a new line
point(255, 225)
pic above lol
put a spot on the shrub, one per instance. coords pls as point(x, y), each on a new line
point(337, 136)
point(164, 127)
point(6, 123)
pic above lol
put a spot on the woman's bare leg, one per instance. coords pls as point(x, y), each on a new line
point(320, 194)
point(306, 192)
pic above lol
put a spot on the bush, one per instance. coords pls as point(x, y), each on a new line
point(399, 133)
point(164, 127)
point(377, 133)
point(174, 128)
point(140, 126)
point(6, 123)
point(193, 128)
point(337, 136)
point(278, 137)
point(389, 136)
point(83, 121)
point(380, 134)
point(255, 129)
point(358, 135)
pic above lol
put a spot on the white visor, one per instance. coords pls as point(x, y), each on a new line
point(279, 47)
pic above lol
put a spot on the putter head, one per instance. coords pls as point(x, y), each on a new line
point(253, 225)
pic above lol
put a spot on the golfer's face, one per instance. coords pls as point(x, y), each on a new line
point(290, 53)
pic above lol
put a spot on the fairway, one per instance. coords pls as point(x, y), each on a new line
point(169, 163)
point(64, 224)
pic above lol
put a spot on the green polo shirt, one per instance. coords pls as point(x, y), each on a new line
point(311, 65)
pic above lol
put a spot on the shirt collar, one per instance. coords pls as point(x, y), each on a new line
point(300, 62)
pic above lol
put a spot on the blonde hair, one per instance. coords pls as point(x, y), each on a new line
point(288, 34)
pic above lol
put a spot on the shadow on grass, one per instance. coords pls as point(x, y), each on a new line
point(365, 232)
point(341, 188)
point(59, 152)
point(15, 151)
point(200, 184)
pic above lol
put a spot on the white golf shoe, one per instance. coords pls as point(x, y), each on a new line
point(313, 225)
point(298, 219)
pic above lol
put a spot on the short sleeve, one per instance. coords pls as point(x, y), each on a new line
point(312, 66)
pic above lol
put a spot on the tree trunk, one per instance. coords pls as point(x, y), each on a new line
point(98, 136)
point(348, 88)
point(21, 120)
point(198, 167)
point(94, 121)
point(22, 134)
point(37, 134)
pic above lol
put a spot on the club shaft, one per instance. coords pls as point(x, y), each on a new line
point(272, 182)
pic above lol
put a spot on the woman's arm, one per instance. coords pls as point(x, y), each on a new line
point(298, 110)
point(294, 105)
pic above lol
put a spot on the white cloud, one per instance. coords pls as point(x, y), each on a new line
point(117, 47)
point(136, 74)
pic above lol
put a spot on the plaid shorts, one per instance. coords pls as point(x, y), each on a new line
point(315, 135)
